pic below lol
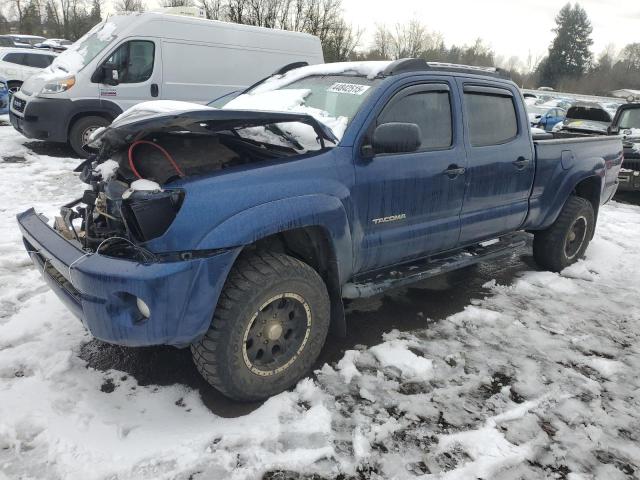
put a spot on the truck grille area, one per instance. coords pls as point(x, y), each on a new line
point(18, 105)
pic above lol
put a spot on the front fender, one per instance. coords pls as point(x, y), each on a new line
point(260, 221)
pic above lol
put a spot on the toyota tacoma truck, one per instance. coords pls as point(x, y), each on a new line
point(239, 231)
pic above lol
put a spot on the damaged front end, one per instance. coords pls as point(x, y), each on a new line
point(134, 176)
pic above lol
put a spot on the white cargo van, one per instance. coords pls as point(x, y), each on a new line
point(135, 58)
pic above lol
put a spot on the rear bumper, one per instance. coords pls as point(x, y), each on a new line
point(102, 291)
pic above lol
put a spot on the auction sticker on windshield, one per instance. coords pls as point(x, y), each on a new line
point(350, 88)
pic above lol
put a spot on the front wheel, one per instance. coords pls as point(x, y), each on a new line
point(82, 130)
point(269, 326)
point(566, 240)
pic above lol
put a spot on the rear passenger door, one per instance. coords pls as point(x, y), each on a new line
point(500, 166)
point(407, 204)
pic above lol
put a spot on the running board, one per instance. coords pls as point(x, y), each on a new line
point(377, 282)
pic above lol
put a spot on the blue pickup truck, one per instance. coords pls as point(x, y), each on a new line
point(239, 231)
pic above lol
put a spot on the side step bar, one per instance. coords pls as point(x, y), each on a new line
point(377, 282)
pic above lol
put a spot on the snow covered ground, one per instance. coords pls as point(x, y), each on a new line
point(537, 380)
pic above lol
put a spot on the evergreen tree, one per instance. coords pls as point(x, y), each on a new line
point(569, 54)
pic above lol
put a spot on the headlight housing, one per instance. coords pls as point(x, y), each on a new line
point(59, 85)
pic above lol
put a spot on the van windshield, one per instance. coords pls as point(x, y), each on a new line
point(86, 49)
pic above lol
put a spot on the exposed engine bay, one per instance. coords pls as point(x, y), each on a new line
point(131, 199)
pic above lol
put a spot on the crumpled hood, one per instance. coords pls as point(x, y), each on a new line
point(126, 129)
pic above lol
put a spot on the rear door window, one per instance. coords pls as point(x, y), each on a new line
point(17, 58)
point(430, 110)
point(491, 116)
point(38, 61)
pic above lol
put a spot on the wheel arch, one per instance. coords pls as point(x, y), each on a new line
point(85, 108)
point(312, 228)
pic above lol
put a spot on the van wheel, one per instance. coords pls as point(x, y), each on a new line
point(269, 326)
point(564, 242)
point(81, 132)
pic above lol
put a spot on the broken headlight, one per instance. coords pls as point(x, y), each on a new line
point(149, 214)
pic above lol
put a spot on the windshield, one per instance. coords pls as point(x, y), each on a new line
point(331, 99)
point(86, 49)
point(629, 119)
point(588, 113)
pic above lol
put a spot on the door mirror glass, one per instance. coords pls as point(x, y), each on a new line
point(110, 74)
point(396, 137)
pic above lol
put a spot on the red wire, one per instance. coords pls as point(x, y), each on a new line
point(166, 154)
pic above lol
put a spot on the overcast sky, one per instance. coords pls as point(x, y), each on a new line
point(511, 27)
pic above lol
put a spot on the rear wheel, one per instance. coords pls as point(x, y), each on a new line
point(82, 130)
point(565, 242)
point(268, 328)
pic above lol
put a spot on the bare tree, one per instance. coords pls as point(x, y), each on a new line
point(213, 9)
point(129, 6)
point(382, 41)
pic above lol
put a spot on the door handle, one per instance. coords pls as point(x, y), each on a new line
point(154, 90)
point(453, 171)
point(521, 162)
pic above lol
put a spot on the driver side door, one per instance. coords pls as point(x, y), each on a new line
point(137, 72)
point(408, 204)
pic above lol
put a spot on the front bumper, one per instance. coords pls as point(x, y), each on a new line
point(102, 290)
point(40, 118)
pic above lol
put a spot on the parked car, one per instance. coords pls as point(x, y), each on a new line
point(627, 123)
point(585, 118)
point(55, 44)
point(17, 64)
point(30, 40)
point(551, 118)
point(238, 231)
point(133, 58)
point(4, 97)
point(8, 41)
point(534, 113)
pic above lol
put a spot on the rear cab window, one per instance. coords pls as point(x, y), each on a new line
point(491, 113)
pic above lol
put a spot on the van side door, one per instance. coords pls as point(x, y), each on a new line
point(408, 204)
point(500, 155)
point(131, 73)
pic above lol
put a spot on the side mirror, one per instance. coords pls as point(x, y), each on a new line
point(396, 137)
point(611, 130)
point(109, 74)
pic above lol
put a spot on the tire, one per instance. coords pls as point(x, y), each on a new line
point(269, 300)
point(81, 129)
point(566, 240)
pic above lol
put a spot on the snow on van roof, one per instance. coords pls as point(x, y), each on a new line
point(367, 69)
